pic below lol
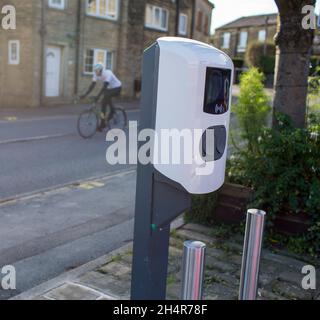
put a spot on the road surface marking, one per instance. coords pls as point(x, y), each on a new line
point(64, 187)
point(11, 119)
point(86, 186)
point(91, 185)
point(67, 117)
point(56, 117)
point(39, 138)
point(97, 184)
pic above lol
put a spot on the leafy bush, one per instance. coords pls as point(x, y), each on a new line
point(315, 62)
point(267, 64)
point(285, 174)
point(202, 209)
point(261, 56)
point(314, 91)
point(252, 109)
point(238, 62)
point(314, 80)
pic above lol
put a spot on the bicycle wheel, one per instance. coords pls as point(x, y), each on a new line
point(119, 119)
point(88, 123)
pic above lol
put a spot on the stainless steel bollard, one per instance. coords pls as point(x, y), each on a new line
point(193, 270)
point(251, 254)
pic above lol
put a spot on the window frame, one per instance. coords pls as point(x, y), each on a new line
point(183, 32)
point(152, 25)
point(95, 60)
point(10, 60)
point(240, 47)
point(224, 40)
point(53, 5)
point(112, 53)
point(85, 57)
point(103, 16)
point(264, 31)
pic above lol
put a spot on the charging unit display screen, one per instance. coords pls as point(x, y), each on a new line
point(217, 91)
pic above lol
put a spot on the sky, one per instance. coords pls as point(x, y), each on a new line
point(229, 10)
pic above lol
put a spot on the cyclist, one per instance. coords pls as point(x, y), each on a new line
point(111, 88)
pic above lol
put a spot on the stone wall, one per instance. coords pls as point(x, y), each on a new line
point(19, 84)
point(235, 33)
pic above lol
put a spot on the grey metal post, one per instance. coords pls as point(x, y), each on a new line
point(193, 270)
point(158, 202)
point(251, 254)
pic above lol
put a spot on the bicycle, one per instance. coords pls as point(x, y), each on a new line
point(90, 120)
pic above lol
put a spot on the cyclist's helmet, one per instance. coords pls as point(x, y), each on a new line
point(98, 67)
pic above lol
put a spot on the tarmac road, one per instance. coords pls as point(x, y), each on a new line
point(69, 206)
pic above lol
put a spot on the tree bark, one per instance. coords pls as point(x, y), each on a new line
point(294, 46)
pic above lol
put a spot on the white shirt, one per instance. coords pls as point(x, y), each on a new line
point(108, 76)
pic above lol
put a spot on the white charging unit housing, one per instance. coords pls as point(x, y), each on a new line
point(194, 93)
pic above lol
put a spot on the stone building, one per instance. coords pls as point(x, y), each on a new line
point(235, 37)
point(49, 57)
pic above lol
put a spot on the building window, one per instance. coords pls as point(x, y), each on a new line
point(156, 18)
point(57, 4)
point(89, 61)
point(183, 24)
point(243, 39)
point(200, 21)
point(110, 60)
point(95, 56)
point(226, 40)
point(14, 52)
point(262, 35)
point(107, 9)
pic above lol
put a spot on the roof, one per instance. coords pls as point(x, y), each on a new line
point(211, 4)
point(251, 21)
point(187, 3)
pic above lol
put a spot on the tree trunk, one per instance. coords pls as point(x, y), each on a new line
point(292, 62)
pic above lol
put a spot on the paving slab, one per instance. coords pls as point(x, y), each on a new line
point(72, 292)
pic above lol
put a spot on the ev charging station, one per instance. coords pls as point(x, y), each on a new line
point(186, 84)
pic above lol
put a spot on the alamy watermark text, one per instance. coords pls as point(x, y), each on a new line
point(8, 278)
point(310, 20)
point(8, 18)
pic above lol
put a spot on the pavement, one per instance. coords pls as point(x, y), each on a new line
point(109, 277)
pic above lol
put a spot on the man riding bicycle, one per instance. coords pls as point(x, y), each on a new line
point(111, 88)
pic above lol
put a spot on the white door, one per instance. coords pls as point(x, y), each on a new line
point(53, 66)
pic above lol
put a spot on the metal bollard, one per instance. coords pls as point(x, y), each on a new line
point(251, 255)
point(193, 270)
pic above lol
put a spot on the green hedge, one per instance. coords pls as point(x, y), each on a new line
point(202, 209)
point(238, 63)
point(315, 62)
point(256, 57)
